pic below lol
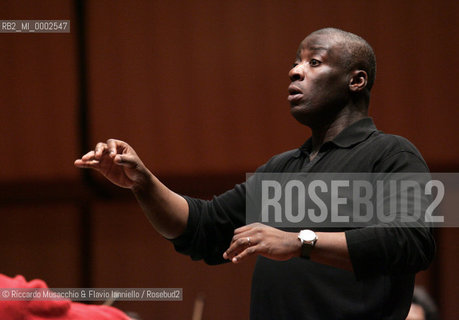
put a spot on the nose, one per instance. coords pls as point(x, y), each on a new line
point(296, 73)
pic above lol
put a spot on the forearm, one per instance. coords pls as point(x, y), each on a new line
point(166, 210)
point(331, 249)
point(375, 250)
point(390, 250)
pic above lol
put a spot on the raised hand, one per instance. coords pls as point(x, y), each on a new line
point(118, 162)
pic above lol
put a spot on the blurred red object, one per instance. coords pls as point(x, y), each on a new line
point(50, 309)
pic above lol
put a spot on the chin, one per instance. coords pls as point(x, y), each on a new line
point(301, 115)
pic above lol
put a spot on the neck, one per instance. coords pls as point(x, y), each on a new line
point(330, 129)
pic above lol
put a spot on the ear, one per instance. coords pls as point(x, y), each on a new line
point(358, 81)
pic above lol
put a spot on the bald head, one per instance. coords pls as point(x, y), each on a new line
point(358, 53)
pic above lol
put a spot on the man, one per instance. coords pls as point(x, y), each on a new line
point(365, 273)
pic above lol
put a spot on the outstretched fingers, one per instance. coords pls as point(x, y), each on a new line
point(87, 161)
point(111, 147)
point(88, 156)
point(100, 149)
point(115, 146)
point(92, 158)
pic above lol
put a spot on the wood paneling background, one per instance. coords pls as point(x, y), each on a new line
point(199, 89)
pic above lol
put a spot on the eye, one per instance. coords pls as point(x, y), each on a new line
point(314, 63)
point(294, 64)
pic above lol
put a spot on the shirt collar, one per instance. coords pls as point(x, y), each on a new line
point(355, 133)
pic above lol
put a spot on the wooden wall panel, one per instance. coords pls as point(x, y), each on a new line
point(201, 86)
point(41, 242)
point(38, 96)
point(416, 49)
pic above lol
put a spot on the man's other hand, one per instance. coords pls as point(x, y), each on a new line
point(260, 239)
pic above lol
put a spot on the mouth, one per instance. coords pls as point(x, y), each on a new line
point(294, 93)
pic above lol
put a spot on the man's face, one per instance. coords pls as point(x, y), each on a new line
point(319, 81)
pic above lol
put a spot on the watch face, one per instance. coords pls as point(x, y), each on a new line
point(307, 235)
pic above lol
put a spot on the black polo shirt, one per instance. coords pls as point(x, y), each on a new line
point(384, 260)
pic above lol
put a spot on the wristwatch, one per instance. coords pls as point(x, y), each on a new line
point(308, 240)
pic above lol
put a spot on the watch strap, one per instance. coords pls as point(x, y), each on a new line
point(306, 249)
